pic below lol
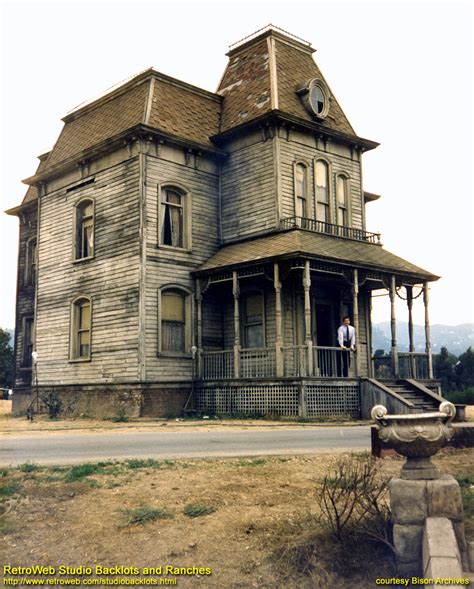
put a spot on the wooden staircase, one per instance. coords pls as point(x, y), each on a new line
point(423, 399)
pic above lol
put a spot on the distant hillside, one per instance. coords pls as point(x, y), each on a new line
point(457, 338)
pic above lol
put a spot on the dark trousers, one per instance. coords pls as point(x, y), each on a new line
point(344, 361)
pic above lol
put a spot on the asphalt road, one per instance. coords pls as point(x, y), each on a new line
point(73, 448)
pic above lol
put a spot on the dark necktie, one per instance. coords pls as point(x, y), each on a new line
point(347, 333)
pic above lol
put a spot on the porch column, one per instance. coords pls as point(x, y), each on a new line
point(411, 340)
point(280, 369)
point(393, 325)
point(307, 317)
point(426, 301)
point(199, 327)
point(355, 317)
point(236, 293)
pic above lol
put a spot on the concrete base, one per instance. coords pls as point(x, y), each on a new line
point(412, 502)
point(107, 401)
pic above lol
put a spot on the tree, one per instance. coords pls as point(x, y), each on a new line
point(464, 369)
point(6, 360)
point(444, 370)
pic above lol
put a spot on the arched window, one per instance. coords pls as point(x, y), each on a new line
point(81, 329)
point(173, 218)
point(30, 266)
point(322, 191)
point(253, 320)
point(27, 341)
point(175, 317)
point(84, 230)
point(301, 190)
point(342, 200)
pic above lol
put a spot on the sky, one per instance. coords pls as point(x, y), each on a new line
point(402, 72)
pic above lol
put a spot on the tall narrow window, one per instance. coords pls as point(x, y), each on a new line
point(28, 342)
point(253, 324)
point(172, 218)
point(30, 269)
point(342, 201)
point(81, 329)
point(322, 191)
point(173, 321)
point(84, 230)
point(301, 190)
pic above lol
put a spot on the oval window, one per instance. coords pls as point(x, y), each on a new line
point(317, 99)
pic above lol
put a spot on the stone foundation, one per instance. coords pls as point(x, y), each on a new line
point(108, 401)
point(412, 502)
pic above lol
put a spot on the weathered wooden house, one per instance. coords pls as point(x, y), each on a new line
point(180, 247)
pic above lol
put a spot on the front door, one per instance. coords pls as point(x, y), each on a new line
point(323, 325)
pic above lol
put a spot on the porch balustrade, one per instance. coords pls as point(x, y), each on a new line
point(261, 363)
point(411, 365)
point(330, 229)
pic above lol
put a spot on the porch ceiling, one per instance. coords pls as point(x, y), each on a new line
point(297, 242)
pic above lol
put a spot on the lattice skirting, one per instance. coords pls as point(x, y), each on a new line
point(286, 400)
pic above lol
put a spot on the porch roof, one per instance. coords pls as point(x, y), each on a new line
point(298, 242)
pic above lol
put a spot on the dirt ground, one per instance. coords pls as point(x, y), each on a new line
point(262, 528)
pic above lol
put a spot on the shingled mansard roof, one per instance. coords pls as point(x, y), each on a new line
point(295, 242)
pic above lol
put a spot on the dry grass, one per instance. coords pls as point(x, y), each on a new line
point(264, 532)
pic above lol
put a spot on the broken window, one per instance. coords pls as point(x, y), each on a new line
point(301, 190)
point(342, 200)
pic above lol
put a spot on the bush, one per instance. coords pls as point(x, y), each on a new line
point(465, 397)
point(142, 515)
point(354, 500)
point(197, 509)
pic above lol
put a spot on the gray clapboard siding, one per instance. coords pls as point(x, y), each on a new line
point(110, 279)
point(248, 191)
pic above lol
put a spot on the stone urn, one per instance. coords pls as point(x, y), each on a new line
point(417, 436)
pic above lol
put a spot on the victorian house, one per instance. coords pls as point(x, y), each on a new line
point(188, 250)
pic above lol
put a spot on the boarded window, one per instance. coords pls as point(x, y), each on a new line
point(322, 191)
point(253, 325)
point(341, 199)
point(301, 190)
point(28, 342)
point(84, 229)
point(81, 329)
point(172, 218)
point(173, 321)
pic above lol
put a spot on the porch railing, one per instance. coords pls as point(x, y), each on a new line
point(261, 363)
point(295, 360)
point(257, 362)
point(330, 361)
point(330, 229)
point(219, 364)
point(410, 365)
point(413, 365)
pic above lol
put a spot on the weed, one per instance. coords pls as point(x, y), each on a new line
point(142, 463)
point(3, 472)
point(252, 462)
point(8, 489)
point(121, 415)
point(142, 515)
point(81, 471)
point(197, 509)
point(28, 467)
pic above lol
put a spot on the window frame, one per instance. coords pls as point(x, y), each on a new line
point(30, 275)
point(307, 200)
point(27, 364)
point(244, 324)
point(78, 229)
point(188, 323)
point(347, 193)
point(329, 190)
point(74, 331)
point(187, 215)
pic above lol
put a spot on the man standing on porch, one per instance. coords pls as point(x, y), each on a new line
point(346, 339)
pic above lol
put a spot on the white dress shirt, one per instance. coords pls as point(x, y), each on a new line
point(342, 335)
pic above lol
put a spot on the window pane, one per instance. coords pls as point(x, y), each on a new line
point(172, 306)
point(172, 336)
point(84, 315)
point(322, 212)
point(253, 309)
point(172, 197)
point(322, 193)
point(254, 336)
point(341, 190)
